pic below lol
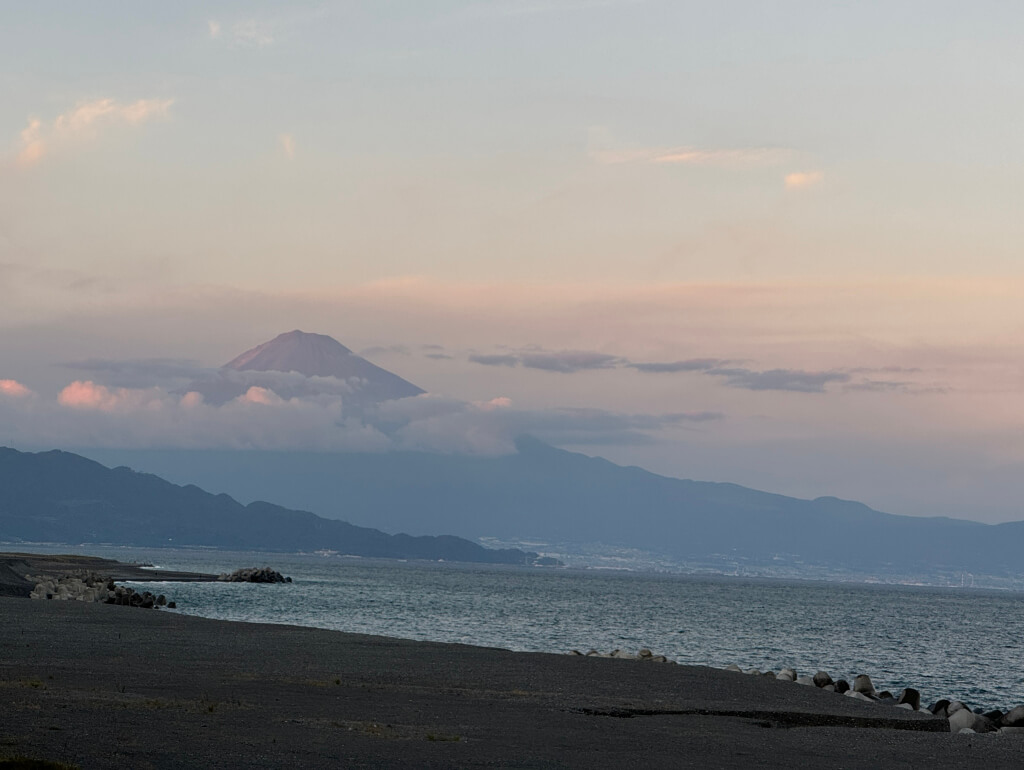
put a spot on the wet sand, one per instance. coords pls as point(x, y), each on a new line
point(107, 686)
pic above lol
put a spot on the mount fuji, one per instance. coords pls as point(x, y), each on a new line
point(299, 363)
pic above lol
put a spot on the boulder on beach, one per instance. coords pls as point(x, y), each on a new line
point(862, 684)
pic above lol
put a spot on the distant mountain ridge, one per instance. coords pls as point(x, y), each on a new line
point(62, 497)
point(552, 495)
point(306, 355)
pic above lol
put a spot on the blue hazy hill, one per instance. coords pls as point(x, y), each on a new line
point(554, 495)
point(66, 498)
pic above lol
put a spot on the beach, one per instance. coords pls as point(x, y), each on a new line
point(105, 686)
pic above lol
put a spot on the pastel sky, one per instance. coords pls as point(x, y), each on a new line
point(777, 244)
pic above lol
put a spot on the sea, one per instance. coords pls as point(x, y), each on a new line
point(962, 643)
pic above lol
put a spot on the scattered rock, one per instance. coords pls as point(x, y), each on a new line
point(908, 695)
point(822, 679)
point(862, 684)
point(254, 575)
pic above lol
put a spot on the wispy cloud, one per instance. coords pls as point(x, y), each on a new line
point(499, 359)
point(564, 362)
point(288, 145)
point(214, 27)
point(798, 180)
point(795, 380)
point(688, 365)
point(83, 122)
point(253, 32)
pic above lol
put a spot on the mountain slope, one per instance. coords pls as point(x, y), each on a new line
point(62, 497)
point(553, 495)
point(303, 356)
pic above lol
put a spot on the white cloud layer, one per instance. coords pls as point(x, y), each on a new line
point(86, 413)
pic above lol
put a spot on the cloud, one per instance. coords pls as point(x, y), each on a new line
point(252, 32)
point(564, 362)
point(569, 361)
point(82, 123)
point(494, 360)
point(86, 394)
point(14, 389)
point(288, 145)
point(430, 423)
point(214, 27)
point(734, 157)
point(86, 413)
point(604, 150)
point(779, 379)
point(795, 380)
point(688, 365)
point(801, 179)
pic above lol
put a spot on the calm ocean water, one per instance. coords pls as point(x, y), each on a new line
point(961, 643)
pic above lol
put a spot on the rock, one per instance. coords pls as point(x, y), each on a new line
point(908, 695)
point(961, 719)
point(172, 605)
point(842, 685)
point(806, 680)
point(1014, 717)
point(905, 706)
point(940, 708)
point(995, 716)
point(734, 667)
point(822, 678)
point(770, 675)
point(963, 730)
point(829, 688)
point(955, 706)
point(161, 600)
point(645, 653)
point(254, 575)
point(1012, 730)
point(858, 696)
point(863, 684)
point(787, 675)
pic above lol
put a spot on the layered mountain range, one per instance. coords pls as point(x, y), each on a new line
point(537, 493)
point(65, 498)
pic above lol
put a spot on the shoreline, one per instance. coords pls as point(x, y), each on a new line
point(15, 567)
point(108, 686)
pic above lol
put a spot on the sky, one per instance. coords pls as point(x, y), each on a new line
point(772, 243)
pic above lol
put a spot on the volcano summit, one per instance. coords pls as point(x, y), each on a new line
point(299, 363)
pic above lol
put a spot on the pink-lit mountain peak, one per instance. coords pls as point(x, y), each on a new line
point(317, 355)
point(314, 355)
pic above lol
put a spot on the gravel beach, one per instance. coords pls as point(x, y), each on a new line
point(104, 686)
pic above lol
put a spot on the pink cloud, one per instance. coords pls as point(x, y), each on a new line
point(801, 179)
point(14, 389)
point(88, 395)
point(258, 395)
point(83, 120)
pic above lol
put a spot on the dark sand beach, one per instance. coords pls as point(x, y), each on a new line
point(105, 686)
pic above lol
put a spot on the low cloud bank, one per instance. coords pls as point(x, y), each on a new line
point(87, 413)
